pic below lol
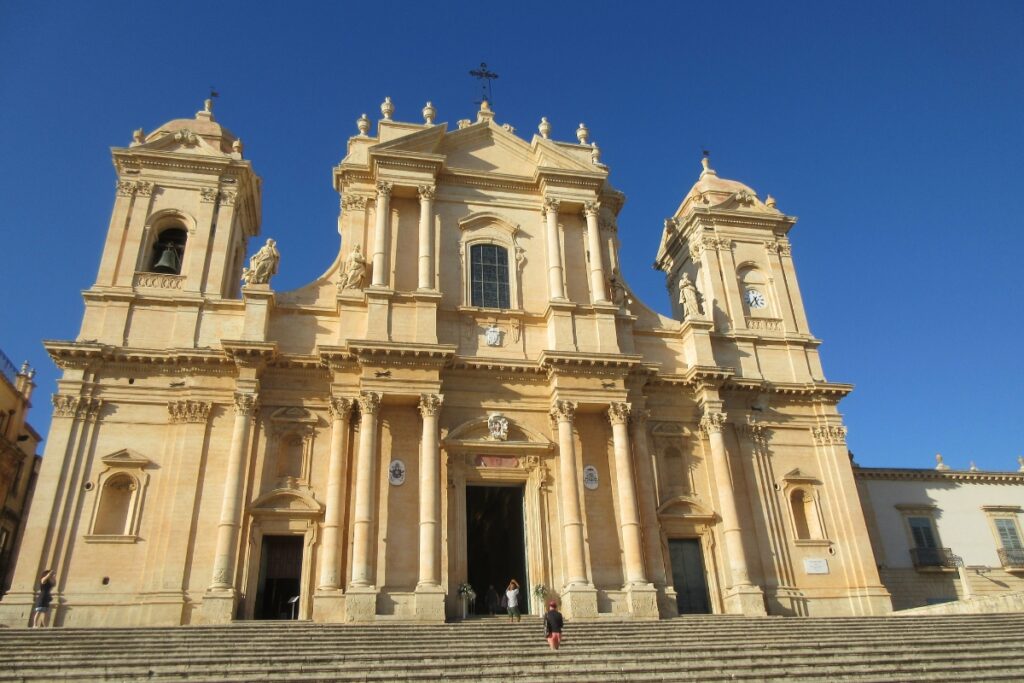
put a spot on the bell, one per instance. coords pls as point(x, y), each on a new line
point(168, 261)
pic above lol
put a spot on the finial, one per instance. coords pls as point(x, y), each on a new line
point(973, 467)
point(705, 161)
point(1020, 463)
point(363, 124)
point(24, 368)
point(208, 105)
point(581, 134)
point(138, 136)
point(544, 128)
point(236, 146)
point(429, 112)
point(485, 113)
point(464, 123)
point(939, 465)
point(387, 108)
point(595, 154)
point(770, 202)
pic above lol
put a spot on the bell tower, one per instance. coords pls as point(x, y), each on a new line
point(187, 203)
point(727, 260)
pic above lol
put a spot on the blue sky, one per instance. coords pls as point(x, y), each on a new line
point(893, 130)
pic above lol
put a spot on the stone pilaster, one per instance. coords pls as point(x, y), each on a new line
point(380, 234)
point(426, 238)
point(556, 289)
point(429, 593)
point(598, 283)
point(361, 601)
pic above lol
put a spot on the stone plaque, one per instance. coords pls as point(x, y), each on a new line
point(396, 473)
point(590, 477)
point(495, 461)
point(814, 565)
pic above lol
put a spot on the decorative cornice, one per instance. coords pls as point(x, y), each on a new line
point(430, 404)
point(829, 434)
point(886, 473)
point(189, 411)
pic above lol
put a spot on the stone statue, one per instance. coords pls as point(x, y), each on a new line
point(262, 265)
point(355, 269)
point(689, 299)
point(617, 288)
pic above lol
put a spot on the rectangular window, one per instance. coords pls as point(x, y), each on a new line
point(924, 534)
point(1008, 535)
point(489, 276)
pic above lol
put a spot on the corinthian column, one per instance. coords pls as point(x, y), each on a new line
point(555, 288)
point(426, 253)
point(380, 234)
point(629, 518)
point(572, 523)
point(430, 493)
point(712, 424)
point(369, 406)
point(227, 529)
point(330, 570)
point(597, 279)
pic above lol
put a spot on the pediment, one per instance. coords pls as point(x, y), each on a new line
point(287, 501)
point(294, 414)
point(126, 458)
point(485, 148)
point(426, 141)
point(183, 141)
point(798, 476)
point(548, 155)
point(686, 507)
point(476, 433)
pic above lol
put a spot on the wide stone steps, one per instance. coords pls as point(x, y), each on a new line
point(707, 648)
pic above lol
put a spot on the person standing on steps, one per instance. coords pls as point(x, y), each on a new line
point(512, 596)
point(553, 623)
point(43, 600)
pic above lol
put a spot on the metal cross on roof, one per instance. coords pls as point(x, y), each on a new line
point(485, 77)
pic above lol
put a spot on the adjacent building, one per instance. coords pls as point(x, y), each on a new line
point(471, 392)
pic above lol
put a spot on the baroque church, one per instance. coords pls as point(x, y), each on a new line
point(470, 393)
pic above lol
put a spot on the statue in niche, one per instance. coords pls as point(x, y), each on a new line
point(497, 425)
point(355, 269)
point(262, 265)
point(618, 289)
point(689, 299)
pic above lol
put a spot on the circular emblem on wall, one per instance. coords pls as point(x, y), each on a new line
point(396, 473)
point(590, 477)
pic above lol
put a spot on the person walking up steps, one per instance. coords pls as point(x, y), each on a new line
point(512, 596)
point(43, 600)
point(553, 623)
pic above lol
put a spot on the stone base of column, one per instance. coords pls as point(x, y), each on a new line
point(668, 606)
point(329, 606)
point(218, 607)
point(361, 604)
point(643, 601)
point(429, 604)
point(745, 600)
point(579, 602)
point(16, 610)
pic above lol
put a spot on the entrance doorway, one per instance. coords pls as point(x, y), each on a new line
point(688, 576)
point(280, 572)
point(496, 543)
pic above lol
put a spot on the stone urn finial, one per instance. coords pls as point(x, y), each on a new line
point(939, 465)
point(237, 146)
point(429, 112)
point(138, 136)
point(387, 108)
point(363, 124)
point(973, 467)
point(1020, 463)
point(581, 134)
point(544, 128)
point(595, 154)
point(770, 202)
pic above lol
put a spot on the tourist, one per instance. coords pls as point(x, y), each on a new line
point(512, 595)
point(492, 600)
point(553, 625)
point(43, 600)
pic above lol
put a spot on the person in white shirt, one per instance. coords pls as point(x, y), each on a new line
point(512, 597)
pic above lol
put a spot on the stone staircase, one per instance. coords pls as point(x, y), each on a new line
point(988, 647)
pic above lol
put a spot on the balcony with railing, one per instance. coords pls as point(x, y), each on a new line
point(933, 558)
point(1012, 558)
point(7, 368)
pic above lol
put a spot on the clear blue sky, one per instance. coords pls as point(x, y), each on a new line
point(893, 130)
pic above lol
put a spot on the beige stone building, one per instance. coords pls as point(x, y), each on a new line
point(18, 460)
point(470, 393)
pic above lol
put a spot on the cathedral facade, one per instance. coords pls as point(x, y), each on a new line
point(470, 393)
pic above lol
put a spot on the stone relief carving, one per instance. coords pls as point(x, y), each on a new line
point(430, 404)
point(188, 411)
point(517, 330)
point(830, 434)
point(427, 191)
point(369, 402)
point(64, 406)
point(563, 411)
point(353, 201)
point(228, 198)
point(262, 265)
point(689, 298)
point(497, 426)
point(208, 195)
point(355, 270)
point(186, 137)
point(396, 473)
point(340, 407)
point(245, 404)
point(712, 423)
point(618, 413)
point(384, 188)
point(617, 288)
point(494, 335)
point(780, 247)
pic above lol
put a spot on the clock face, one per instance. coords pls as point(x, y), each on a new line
point(755, 299)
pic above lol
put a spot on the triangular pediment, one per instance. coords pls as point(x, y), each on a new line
point(485, 148)
point(798, 476)
point(287, 501)
point(686, 506)
point(181, 141)
point(426, 141)
point(126, 457)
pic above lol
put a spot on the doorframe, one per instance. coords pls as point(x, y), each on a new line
point(696, 525)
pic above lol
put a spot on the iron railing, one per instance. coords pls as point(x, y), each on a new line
point(1012, 558)
point(7, 368)
point(933, 557)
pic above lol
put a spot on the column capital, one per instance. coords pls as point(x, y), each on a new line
point(188, 411)
point(563, 411)
point(369, 402)
point(829, 434)
point(245, 403)
point(712, 423)
point(340, 407)
point(430, 404)
point(618, 413)
point(426, 191)
point(591, 208)
point(551, 205)
point(384, 188)
point(639, 416)
point(757, 433)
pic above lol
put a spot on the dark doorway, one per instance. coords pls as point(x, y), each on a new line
point(688, 576)
point(280, 571)
point(496, 542)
